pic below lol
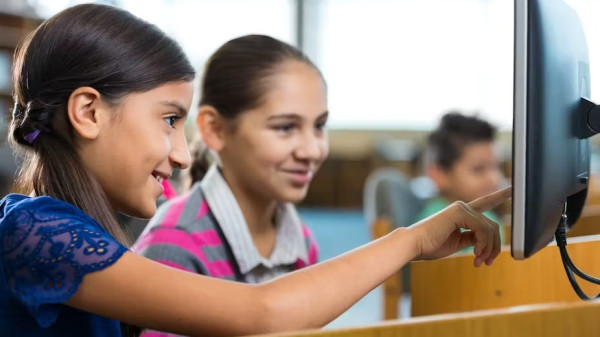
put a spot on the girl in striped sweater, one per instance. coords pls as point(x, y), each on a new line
point(263, 111)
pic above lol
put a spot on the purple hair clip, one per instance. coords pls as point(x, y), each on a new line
point(30, 137)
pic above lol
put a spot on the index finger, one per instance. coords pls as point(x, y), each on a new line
point(491, 200)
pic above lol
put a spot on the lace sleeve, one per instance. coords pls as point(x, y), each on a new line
point(46, 250)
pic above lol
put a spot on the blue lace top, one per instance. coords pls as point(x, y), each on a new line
point(47, 246)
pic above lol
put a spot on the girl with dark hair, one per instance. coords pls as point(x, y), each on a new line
point(100, 101)
point(268, 130)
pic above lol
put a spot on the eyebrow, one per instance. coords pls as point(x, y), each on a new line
point(295, 116)
point(325, 114)
point(180, 109)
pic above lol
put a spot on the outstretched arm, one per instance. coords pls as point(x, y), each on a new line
point(145, 293)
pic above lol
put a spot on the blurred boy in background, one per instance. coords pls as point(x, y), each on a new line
point(461, 161)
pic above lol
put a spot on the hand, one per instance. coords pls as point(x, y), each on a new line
point(440, 234)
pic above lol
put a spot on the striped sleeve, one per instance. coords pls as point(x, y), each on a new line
point(166, 242)
point(172, 247)
point(311, 245)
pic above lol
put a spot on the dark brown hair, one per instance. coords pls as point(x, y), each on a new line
point(91, 45)
point(236, 77)
point(201, 161)
point(455, 132)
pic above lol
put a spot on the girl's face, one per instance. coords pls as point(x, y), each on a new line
point(274, 151)
point(140, 146)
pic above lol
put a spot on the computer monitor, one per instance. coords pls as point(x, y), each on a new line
point(552, 122)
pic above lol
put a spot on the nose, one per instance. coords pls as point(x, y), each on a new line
point(179, 157)
point(312, 147)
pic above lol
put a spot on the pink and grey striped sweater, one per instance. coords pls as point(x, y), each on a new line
point(203, 232)
point(197, 243)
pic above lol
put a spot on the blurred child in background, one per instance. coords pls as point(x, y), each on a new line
point(461, 161)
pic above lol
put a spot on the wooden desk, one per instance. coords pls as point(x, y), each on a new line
point(588, 224)
point(453, 284)
point(576, 319)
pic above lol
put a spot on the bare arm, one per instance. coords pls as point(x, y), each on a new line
point(148, 294)
point(315, 296)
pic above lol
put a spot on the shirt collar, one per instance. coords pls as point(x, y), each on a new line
point(290, 243)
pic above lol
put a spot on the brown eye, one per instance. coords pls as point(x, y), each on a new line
point(284, 128)
point(320, 126)
point(171, 120)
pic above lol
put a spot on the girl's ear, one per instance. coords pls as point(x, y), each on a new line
point(83, 112)
point(211, 127)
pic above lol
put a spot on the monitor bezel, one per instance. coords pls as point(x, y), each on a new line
point(519, 129)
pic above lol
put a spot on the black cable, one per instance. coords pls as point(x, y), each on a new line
point(561, 240)
point(570, 268)
point(574, 283)
point(576, 270)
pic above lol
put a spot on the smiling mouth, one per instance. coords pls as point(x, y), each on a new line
point(160, 177)
point(303, 172)
point(301, 177)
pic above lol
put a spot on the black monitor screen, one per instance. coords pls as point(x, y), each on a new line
point(551, 149)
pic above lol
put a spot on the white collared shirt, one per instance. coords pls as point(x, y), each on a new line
point(290, 244)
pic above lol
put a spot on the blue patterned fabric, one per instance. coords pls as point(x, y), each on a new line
point(47, 246)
